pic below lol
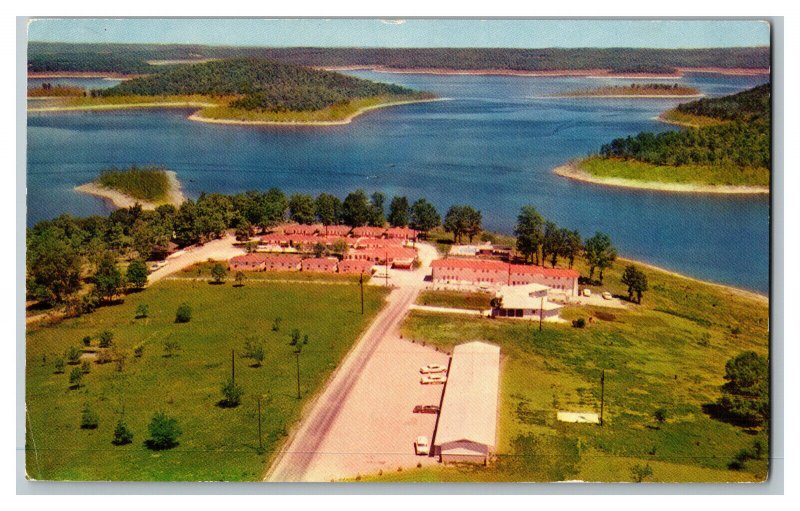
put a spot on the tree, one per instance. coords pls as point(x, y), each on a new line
point(600, 253)
point(461, 221)
point(75, 377)
point(136, 275)
point(398, 211)
point(745, 395)
point(244, 229)
point(641, 472)
point(572, 245)
point(142, 311)
point(271, 208)
point(164, 432)
point(295, 337)
point(377, 213)
point(87, 340)
point(552, 243)
point(529, 232)
point(53, 265)
point(636, 281)
point(122, 435)
point(339, 247)
point(328, 209)
point(302, 209)
point(424, 216)
point(185, 224)
point(59, 365)
point(170, 347)
point(319, 249)
point(231, 394)
point(218, 273)
point(106, 338)
point(255, 352)
point(239, 279)
point(183, 314)
point(660, 416)
point(89, 419)
point(356, 209)
point(73, 355)
point(108, 279)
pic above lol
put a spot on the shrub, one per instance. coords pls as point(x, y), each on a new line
point(138, 350)
point(579, 323)
point(660, 415)
point(218, 273)
point(255, 352)
point(239, 279)
point(106, 339)
point(89, 418)
point(73, 355)
point(86, 367)
point(641, 472)
point(231, 393)
point(120, 357)
point(276, 325)
point(142, 311)
point(122, 435)
point(164, 432)
point(170, 347)
point(295, 337)
point(75, 377)
point(183, 314)
point(103, 357)
point(59, 365)
point(87, 341)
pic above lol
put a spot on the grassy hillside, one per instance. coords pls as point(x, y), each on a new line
point(668, 353)
point(217, 443)
point(147, 183)
point(131, 58)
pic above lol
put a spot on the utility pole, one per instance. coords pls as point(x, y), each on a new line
point(297, 355)
point(386, 260)
point(260, 444)
point(602, 393)
point(541, 313)
point(233, 368)
point(361, 285)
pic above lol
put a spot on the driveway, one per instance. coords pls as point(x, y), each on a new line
point(221, 249)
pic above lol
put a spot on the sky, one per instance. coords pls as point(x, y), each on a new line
point(514, 33)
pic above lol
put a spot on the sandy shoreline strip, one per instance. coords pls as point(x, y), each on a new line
point(347, 120)
point(744, 293)
point(588, 73)
point(120, 200)
point(571, 171)
point(621, 96)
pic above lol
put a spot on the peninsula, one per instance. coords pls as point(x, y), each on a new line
point(249, 91)
point(725, 149)
point(149, 187)
point(636, 90)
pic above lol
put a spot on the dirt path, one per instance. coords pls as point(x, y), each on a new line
point(218, 249)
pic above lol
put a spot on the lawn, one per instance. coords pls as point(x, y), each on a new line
point(216, 443)
point(668, 353)
point(689, 174)
point(455, 299)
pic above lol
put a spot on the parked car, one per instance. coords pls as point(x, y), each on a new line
point(607, 295)
point(587, 292)
point(155, 265)
point(426, 409)
point(433, 368)
point(433, 378)
point(421, 446)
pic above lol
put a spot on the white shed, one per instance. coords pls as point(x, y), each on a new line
point(467, 427)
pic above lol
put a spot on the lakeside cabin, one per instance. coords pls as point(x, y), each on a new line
point(528, 301)
point(492, 274)
point(467, 427)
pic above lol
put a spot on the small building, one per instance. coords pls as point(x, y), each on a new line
point(320, 264)
point(248, 262)
point(402, 233)
point(282, 262)
point(310, 230)
point(369, 232)
point(527, 301)
point(384, 256)
point(355, 266)
point(467, 427)
point(335, 230)
point(493, 274)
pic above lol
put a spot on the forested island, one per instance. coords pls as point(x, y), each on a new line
point(251, 90)
point(726, 149)
point(634, 90)
point(149, 187)
point(139, 58)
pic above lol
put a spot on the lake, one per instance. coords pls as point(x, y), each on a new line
point(491, 144)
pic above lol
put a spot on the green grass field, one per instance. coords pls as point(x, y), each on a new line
point(669, 353)
point(217, 443)
point(688, 174)
point(455, 299)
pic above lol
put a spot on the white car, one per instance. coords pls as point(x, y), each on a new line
point(587, 292)
point(433, 368)
point(433, 378)
point(607, 295)
point(421, 446)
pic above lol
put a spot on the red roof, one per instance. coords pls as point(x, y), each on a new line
point(482, 264)
point(369, 231)
point(354, 264)
point(320, 261)
point(282, 258)
point(249, 258)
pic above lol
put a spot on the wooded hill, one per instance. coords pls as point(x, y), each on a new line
point(743, 140)
point(262, 84)
point(133, 58)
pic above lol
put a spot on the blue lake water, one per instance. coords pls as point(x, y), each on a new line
point(492, 144)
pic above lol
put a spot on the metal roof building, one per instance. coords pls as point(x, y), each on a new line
point(467, 427)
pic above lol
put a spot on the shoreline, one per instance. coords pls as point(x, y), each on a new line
point(571, 171)
point(347, 120)
point(622, 96)
point(743, 293)
point(121, 200)
point(82, 74)
point(122, 106)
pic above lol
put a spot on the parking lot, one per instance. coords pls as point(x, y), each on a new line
point(376, 426)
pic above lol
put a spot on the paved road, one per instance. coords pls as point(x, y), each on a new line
point(297, 456)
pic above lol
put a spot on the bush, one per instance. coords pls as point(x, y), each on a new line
point(164, 432)
point(86, 367)
point(138, 350)
point(276, 325)
point(218, 273)
point(183, 314)
point(122, 435)
point(89, 418)
point(73, 355)
point(106, 339)
point(59, 365)
point(641, 472)
point(579, 323)
point(120, 357)
point(87, 341)
point(142, 311)
point(75, 377)
point(170, 347)
point(254, 351)
point(660, 415)
point(295, 337)
point(232, 394)
point(103, 357)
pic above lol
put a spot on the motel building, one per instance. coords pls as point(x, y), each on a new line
point(528, 301)
point(467, 427)
point(491, 274)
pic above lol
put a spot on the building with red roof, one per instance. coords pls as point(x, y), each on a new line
point(303, 229)
point(369, 232)
point(320, 264)
point(403, 233)
point(397, 256)
point(355, 266)
point(282, 262)
point(247, 262)
point(491, 273)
